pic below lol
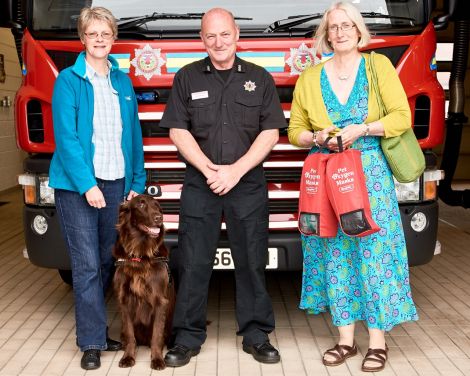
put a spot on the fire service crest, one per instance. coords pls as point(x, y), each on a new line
point(148, 62)
point(301, 58)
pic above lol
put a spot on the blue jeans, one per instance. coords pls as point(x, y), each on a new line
point(90, 235)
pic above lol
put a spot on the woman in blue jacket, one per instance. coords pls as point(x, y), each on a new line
point(97, 163)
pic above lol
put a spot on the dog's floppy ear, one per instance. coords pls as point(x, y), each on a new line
point(124, 213)
point(125, 207)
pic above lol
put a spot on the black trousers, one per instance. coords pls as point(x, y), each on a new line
point(245, 211)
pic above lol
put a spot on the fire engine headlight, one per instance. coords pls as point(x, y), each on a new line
point(40, 225)
point(419, 222)
point(46, 194)
point(36, 189)
point(431, 181)
point(407, 191)
point(28, 181)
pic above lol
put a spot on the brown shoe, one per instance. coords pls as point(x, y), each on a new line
point(378, 356)
point(340, 353)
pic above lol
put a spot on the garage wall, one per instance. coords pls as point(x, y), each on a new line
point(463, 167)
point(11, 158)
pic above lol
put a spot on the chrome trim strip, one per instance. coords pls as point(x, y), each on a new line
point(166, 148)
point(282, 195)
point(157, 115)
point(150, 115)
point(160, 148)
point(169, 165)
point(272, 225)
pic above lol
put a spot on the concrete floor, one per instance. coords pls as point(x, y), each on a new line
point(37, 333)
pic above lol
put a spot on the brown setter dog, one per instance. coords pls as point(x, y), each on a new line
point(142, 281)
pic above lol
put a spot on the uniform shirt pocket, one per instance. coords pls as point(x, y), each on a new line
point(248, 109)
point(203, 116)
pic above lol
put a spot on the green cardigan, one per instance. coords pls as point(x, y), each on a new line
point(308, 111)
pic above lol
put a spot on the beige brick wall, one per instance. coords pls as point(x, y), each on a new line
point(10, 156)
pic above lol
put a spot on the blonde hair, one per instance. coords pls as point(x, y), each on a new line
point(321, 35)
point(88, 15)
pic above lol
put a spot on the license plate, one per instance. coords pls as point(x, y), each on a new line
point(223, 259)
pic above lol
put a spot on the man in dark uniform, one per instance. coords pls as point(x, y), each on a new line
point(224, 115)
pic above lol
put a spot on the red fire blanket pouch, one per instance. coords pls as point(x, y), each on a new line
point(347, 192)
point(316, 216)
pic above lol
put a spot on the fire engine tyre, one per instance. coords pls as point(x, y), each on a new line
point(66, 276)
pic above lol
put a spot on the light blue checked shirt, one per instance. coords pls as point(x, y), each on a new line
point(108, 159)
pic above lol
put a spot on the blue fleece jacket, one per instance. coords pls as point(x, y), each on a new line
point(72, 111)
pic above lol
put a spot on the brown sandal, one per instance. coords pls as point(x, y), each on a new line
point(379, 356)
point(340, 353)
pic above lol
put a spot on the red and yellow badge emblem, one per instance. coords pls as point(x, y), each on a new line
point(301, 58)
point(148, 62)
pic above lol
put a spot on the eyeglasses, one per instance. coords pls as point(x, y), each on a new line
point(104, 35)
point(344, 27)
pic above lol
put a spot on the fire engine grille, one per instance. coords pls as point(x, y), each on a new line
point(153, 95)
point(422, 116)
point(63, 59)
point(277, 175)
point(275, 206)
point(152, 129)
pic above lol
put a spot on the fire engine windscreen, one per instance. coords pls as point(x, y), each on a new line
point(61, 15)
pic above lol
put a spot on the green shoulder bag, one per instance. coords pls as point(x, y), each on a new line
point(403, 153)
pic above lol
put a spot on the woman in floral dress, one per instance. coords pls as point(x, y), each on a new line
point(363, 278)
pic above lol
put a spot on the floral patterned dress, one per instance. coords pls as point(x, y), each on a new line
point(360, 278)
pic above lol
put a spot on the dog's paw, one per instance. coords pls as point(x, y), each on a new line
point(158, 364)
point(126, 361)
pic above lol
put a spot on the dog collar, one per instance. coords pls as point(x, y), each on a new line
point(164, 260)
point(123, 261)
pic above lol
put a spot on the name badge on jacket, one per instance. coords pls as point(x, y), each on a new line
point(200, 95)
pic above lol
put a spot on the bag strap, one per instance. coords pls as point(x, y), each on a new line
point(340, 143)
point(325, 143)
point(375, 85)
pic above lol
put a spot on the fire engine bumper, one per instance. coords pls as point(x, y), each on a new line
point(47, 249)
point(420, 245)
point(287, 245)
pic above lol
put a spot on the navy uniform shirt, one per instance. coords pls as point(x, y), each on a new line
point(224, 117)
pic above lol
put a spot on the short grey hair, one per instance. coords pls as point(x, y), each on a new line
point(88, 15)
point(217, 11)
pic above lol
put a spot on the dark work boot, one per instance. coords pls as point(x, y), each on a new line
point(263, 352)
point(91, 359)
point(179, 355)
point(112, 344)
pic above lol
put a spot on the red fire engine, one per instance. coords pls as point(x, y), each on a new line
point(152, 46)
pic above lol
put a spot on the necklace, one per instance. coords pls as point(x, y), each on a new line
point(344, 76)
